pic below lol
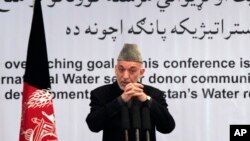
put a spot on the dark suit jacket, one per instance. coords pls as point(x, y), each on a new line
point(105, 113)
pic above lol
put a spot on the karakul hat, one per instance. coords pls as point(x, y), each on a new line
point(130, 52)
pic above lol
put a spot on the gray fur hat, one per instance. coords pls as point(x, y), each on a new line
point(130, 52)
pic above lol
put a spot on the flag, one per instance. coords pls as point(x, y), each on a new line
point(38, 120)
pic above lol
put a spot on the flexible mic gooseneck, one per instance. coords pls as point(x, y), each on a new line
point(136, 116)
point(125, 122)
point(146, 123)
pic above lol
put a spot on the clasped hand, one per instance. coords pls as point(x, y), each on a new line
point(133, 90)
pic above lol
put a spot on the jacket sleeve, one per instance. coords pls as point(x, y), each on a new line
point(101, 111)
point(160, 114)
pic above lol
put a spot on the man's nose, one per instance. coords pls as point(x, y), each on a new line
point(126, 75)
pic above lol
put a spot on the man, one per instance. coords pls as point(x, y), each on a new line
point(107, 101)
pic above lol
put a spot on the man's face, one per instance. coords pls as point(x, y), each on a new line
point(128, 72)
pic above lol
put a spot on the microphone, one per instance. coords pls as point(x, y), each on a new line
point(136, 119)
point(125, 121)
point(146, 122)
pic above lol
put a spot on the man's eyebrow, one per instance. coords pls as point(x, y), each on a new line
point(120, 66)
point(133, 67)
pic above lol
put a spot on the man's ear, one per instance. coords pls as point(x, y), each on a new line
point(115, 69)
point(142, 72)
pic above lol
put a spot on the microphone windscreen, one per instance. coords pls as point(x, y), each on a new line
point(136, 116)
point(146, 122)
point(125, 118)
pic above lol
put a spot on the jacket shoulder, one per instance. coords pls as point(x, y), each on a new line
point(106, 91)
point(102, 89)
point(153, 91)
point(151, 88)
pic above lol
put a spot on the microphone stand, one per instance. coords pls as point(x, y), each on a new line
point(136, 119)
point(146, 122)
point(125, 121)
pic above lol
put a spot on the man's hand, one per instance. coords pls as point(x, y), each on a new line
point(133, 90)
